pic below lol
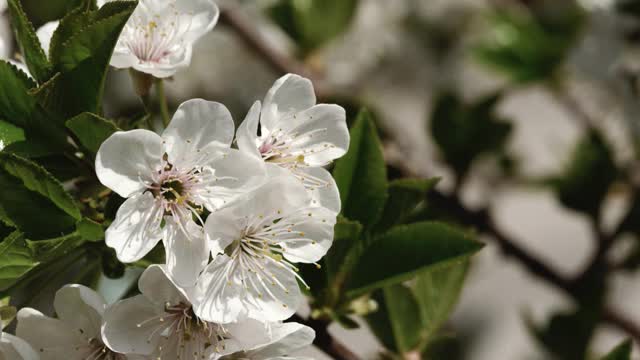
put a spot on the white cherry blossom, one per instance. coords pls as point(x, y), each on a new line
point(285, 338)
point(161, 323)
point(172, 179)
point(75, 334)
point(298, 136)
point(257, 241)
point(158, 39)
point(14, 348)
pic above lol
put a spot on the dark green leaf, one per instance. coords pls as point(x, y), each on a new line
point(82, 61)
point(404, 196)
point(380, 324)
point(620, 352)
point(34, 56)
point(403, 311)
point(49, 249)
point(406, 250)
point(91, 130)
point(15, 259)
point(9, 134)
point(465, 132)
point(44, 11)
point(361, 174)
point(589, 174)
point(437, 293)
point(90, 230)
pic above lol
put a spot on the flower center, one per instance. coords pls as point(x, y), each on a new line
point(172, 190)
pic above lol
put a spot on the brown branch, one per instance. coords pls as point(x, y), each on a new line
point(323, 340)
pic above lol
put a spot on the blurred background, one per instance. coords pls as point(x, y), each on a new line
point(528, 112)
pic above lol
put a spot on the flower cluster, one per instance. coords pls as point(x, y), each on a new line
point(235, 212)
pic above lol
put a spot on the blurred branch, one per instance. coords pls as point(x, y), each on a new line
point(324, 340)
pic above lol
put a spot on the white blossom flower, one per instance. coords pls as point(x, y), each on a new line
point(161, 323)
point(14, 348)
point(298, 136)
point(158, 38)
point(75, 334)
point(285, 338)
point(258, 239)
point(176, 177)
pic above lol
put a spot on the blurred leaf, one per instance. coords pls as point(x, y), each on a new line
point(90, 230)
point(527, 47)
point(312, 23)
point(404, 196)
point(437, 293)
point(403, 311)
point(35, 58)
point(628, 7)
point(15, 259)
point(465, 132)
point(589, 174)
point(33, 200)
point(49, 249)
point(91, 130)
point(361, 174)
point(20, 109)
point(620, 352)
point(406, 250)
point(82, 59)
point(9, 134)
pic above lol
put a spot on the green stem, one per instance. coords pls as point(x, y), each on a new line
point(162, 100)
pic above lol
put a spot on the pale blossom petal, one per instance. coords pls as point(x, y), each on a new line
point(127, 158)
point(157, 286)
point(127, 328)
point(187, 251)
point(281, 295)
point(197, 124)
point(322, 187)
point(289, 94)
point(14, 348)
point(247, 134)
point(313, 239)
point(81, 308)
point(221, 230)
point(220, 297)
point(285, 339)
point(52, 338)
point(136, 228)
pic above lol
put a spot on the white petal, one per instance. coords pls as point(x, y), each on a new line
point(186, 255)
point(313, 236)
point(321, 134)
point(289, 94)
point(322, 187)
point(204, 16)
point(278, 301)
point(221, 229)
point(219, 293)
point(247, 133)
point(248, 334)
point(286, 338)
point(45, 33)
point(197, 124)
point(14, 348)
point(122, 58)
point(126, 157)
point(131, 326)
point(52, 338)
point(156, 286)
point(237, 173)
point(136, 229)
point(81, 308)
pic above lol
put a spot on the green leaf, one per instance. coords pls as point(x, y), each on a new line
point(404, 197)
point(34, 56)
point(90, 230)
point(33, 200)
point(15, 260)
point(406, 250)
point(380, 323)
point(620, 352)
point(361, 174)
point(82, 60)
point(347, 235)
point(9, 134)
point(465, 132)
point(403, 309)
point(20, 109)
point(49, 249)
point(37, 179)
point(590, 172)
point(41, 12)
point(437, 293)
point(312, 23)
point(526, 46)
point(91, 130)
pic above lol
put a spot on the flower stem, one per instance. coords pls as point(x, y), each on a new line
point(162, 100)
